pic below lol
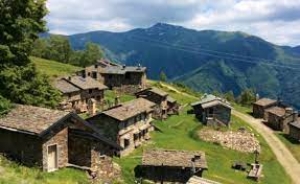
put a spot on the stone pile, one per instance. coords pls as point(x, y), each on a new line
point(241, 141)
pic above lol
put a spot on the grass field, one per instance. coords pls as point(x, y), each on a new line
point(292, 145)
point(12, 173)
point(53, 68)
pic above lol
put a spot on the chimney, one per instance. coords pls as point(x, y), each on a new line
point(257, 97)
point(117, 100)
point(92, 106)
point(124, 66)
point(69, 78)
point(139, 67)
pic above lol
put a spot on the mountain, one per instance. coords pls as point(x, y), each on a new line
point(205, 60)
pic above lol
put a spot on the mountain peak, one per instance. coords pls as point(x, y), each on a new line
point(161, 25)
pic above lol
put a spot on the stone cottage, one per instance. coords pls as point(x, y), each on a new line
point(127, 124)
point(124, 78)
point(77, 91)
point(165, 105)
point(294, 129)
point(172, 166)
point(212, 110)
point(261, 105)
point(52, 139)
point(278, 117)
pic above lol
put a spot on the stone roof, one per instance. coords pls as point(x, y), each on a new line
point(30, 119)
point(265, 102)
point(296, 123)
point(64, 86)
point(153, 90)
point(85, 82)
point(209, 100)
point(121, 70)
point(199, 180)
point(279, 111)
point(170, 99)
point(130, 109)
point(175, 158)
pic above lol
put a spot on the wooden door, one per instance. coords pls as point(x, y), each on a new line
point(52, 157)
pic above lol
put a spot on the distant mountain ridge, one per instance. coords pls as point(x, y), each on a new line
point(205, 60)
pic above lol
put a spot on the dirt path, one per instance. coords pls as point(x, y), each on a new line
point(284, 156)
point(177, 91)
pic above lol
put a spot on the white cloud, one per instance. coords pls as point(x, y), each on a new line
point(276, 21)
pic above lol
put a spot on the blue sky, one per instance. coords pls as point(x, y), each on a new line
point(277, 21)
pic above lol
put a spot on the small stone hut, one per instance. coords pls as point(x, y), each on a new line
point(128, 124)
point(261, 105)
point(212, 110)
point(53, 139)
point(124, 78)
point(172, 166)
point(294, 129)
point(278, 117)
point(165, 105)
point(77, 91)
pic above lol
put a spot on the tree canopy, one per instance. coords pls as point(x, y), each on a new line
point(20, 23)
point(58, 48)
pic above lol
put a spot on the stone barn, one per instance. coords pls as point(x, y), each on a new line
point(172, 166)
point(52, 139)
point(77, 91)
point(261, 105)
point(278, 118)
point(128, 124)
point(212, 110)
point(294, 128)
point(165, 105)
point(129, 79)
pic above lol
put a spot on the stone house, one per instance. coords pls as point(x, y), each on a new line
point(52, 139)
point(128, 79)
point(172, 166)
point(261, 105)
point(278, 117)
point(294, 129)
point(77, 91)
point(212, 110)
point(127, 124)
point(165, 105)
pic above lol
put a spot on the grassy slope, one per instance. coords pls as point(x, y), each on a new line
point(53, 68)
point(292, 145)
point(179, 132)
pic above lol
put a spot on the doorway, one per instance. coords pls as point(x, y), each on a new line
point(52, 158)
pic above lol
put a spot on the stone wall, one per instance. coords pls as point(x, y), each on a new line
point(61, 140)
point(294, 133)
point(167, 174)
point(24, 148)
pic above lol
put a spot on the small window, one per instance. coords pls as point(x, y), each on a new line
point(126, 143)
point(94, 75)
point(127, 76)
point(89, 73)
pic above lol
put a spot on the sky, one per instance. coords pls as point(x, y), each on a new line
point(277, 21)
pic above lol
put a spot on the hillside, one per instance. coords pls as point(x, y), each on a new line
point(53, 68)
point(205, 60)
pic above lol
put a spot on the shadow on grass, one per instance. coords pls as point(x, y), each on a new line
point(290, 139)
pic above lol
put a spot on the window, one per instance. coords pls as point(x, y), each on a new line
point(127, 76)
point(89, 73)
point(126, 143)
point(94, 75)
